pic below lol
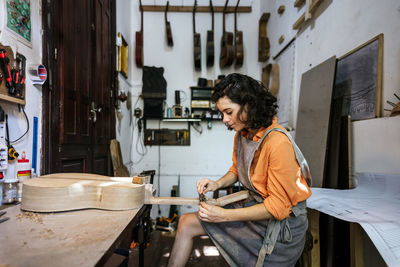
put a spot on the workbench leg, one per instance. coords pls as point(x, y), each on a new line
point(313, 219)
point(356, 245)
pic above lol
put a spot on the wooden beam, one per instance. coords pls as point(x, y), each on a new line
point(217, 9)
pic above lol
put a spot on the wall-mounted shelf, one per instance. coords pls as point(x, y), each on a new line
point(180, 119)
point(217, 9)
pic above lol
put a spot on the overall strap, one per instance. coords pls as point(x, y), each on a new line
point(274, 228)
point(305, 170)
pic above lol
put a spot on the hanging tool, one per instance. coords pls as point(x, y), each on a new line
point(18, 76)
point(12, 153)
point(6, 70)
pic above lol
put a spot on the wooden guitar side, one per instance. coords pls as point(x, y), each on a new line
point(49, 195)
point(263, 41)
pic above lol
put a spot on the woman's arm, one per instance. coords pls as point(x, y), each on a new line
point(207, 185)
point(211, 213)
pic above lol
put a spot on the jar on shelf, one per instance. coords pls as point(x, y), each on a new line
point(10, 187)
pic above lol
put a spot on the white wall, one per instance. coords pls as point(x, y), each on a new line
point(33, 107)
point(336, 28)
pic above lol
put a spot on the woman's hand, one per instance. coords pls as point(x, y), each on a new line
point(211, 213)
point(206, 185)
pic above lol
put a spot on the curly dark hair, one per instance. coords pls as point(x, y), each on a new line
point(251, 95)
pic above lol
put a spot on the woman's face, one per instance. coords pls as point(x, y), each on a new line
point(229, 112)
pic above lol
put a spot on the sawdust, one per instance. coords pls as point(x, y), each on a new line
point(31, 216)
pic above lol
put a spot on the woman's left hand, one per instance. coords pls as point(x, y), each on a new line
point(211, 213)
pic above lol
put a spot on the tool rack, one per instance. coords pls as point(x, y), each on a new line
point(3, 89)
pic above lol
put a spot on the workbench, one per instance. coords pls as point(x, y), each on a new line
point(73, 238)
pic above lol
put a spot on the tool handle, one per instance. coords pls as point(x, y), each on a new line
point(4, 65)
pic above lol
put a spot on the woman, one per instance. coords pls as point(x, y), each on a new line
point(269, 228)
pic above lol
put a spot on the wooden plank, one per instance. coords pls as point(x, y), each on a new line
point(217, 9)
point(313, 116)
point(74, 238)
point(120, 169)
point(313, 6)
point(222, 201)
point(298, 3)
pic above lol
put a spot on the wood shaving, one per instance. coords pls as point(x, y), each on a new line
point(31, 216)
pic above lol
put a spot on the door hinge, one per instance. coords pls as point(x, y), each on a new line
point(111, 93)
point(55, 54)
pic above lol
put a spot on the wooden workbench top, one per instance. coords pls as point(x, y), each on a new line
point(72, 238)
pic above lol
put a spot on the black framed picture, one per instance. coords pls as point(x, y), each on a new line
point(359, 80)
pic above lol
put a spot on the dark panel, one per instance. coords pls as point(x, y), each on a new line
point(100, 165)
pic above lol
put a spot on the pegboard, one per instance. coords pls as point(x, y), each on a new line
point(4, 95)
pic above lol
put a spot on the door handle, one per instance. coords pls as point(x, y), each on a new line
point(93, 112)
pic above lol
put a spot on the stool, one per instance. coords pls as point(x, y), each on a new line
point(229, 190)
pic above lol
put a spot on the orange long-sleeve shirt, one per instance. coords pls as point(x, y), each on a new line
point(275, 172)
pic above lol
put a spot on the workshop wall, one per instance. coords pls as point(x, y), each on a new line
point(336, 28)
point(209, 154)
point(33, 108)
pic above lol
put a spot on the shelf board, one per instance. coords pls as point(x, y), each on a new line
point(217, 9)
point(201, 87)
point(12, 99)
point(180, 119)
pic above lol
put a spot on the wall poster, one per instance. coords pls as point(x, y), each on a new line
point(19, 18)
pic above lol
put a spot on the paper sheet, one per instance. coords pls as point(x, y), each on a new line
point(374, 204)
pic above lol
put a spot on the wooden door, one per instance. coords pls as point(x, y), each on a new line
point(78, 109)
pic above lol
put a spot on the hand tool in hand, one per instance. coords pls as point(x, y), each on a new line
point(202, 198)
point(18, 76)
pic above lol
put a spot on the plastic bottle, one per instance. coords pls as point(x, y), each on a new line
point(23, 171)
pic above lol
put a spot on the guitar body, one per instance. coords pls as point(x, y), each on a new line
point(73, 191)
point(227, 53)
point(170, 41)
point(210, 48)
point(139, 49)
point(239, 53)
point(197, 51)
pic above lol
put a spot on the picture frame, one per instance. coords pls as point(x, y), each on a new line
point(18, 20)
point(359, 80)
point(123, 56)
